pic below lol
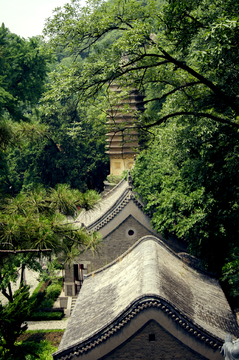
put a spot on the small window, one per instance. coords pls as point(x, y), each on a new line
point(131, 232)
point(151, 337)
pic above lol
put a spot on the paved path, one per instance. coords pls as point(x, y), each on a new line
point(47, 325)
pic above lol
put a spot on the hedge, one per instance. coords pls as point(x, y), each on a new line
point(43, 315)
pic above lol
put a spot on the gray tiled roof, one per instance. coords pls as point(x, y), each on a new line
point(148, 270)
point(108, 207)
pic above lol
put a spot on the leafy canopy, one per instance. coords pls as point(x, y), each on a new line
point(187, 51)
point(23, 68)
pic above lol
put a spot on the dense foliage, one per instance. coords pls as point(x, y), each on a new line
point(51, 147)
point(59, 157)
point(175, 46)
point(13, 316)
point(23, 71)
point(189, 180)
point(34, 222)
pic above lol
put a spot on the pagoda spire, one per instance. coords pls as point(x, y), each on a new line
point(123, 136)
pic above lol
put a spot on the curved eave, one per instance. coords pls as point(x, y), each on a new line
point(140, 305)
point(109, 207)
point(126, 197)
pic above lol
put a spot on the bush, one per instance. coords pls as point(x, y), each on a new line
point(46, 303)
point(115, 179)
point(43, 315)
point(30, 350)
point(13, 316)
point(53, 291)
point(39, 293)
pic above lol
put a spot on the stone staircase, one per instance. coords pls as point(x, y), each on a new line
point(73, 302)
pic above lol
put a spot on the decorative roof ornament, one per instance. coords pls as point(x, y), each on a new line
point(230, 349)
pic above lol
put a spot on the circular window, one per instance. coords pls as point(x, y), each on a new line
point(131, 232)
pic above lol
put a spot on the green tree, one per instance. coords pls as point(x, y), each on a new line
point(183, 56)
point(13, 324)
point(189, 50)
point(70, 147)
point(23, 70)
point(230, 272)
point(189, 179)
point(35, 223)
point(32, 224)
point(69, 153)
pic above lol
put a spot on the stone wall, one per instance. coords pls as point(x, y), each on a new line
point(69, 273)
point(153, 343)
point(116, 243)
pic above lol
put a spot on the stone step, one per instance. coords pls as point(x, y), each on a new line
point(73, 302)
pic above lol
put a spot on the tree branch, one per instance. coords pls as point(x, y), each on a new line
point(6, 295)
point(24, 251)
point(171, 92)
point(226, 99)
point(142, 57)
point(188, 113)
point(70, 238)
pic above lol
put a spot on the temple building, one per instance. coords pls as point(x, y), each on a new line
point(148, 304)
point(121, 221)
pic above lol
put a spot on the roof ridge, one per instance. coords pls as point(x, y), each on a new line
point(119, 204)
point(160, 242)
point(138, 242)
point(109, 193)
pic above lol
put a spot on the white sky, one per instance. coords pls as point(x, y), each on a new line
point(27, 17)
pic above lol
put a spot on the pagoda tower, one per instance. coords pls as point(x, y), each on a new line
point(123, 135)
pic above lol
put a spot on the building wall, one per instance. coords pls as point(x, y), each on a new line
point(142, 218)
point(69, 273)
point(116, 243)
point(129, 209)
point(165, 346)
point(119, 163)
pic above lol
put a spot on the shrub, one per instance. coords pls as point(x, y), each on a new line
point(43, 315)
point(31, 350)
point(46, 303)
point(53, 291)
point(13, 316)
point(39, 292)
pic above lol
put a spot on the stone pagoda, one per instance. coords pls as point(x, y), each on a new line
point(123, 135)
